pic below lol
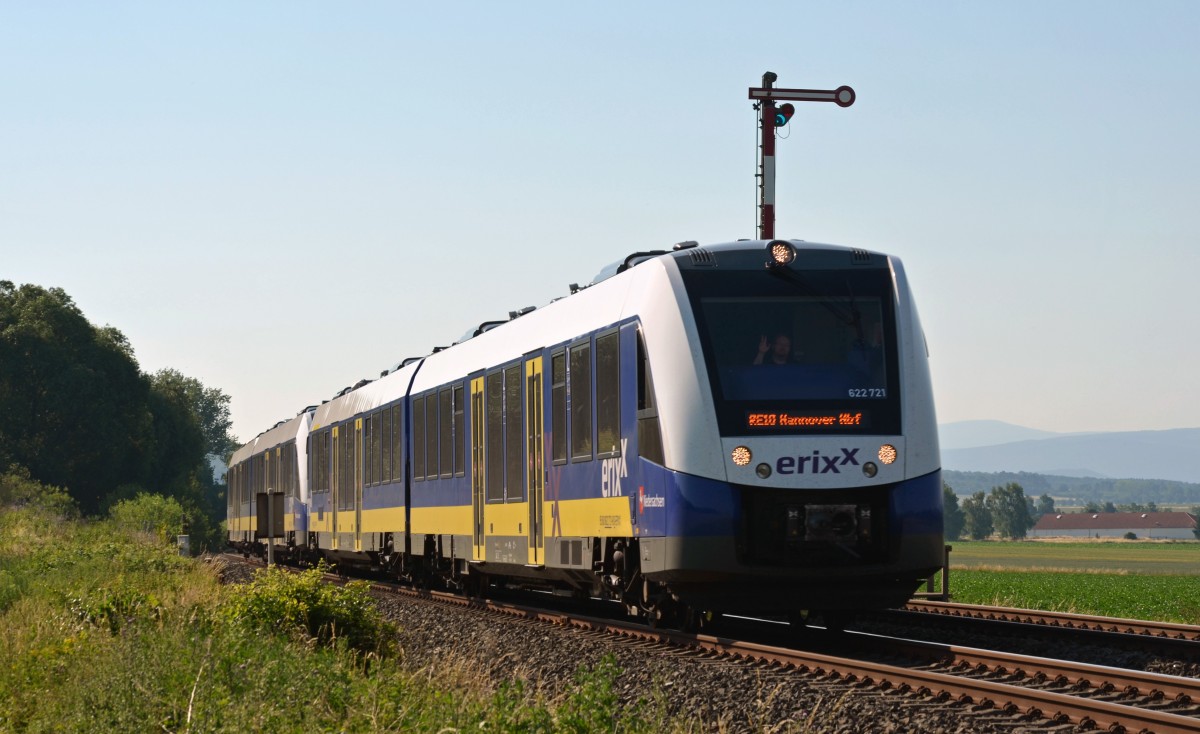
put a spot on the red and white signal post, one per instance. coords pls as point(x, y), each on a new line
point(772, 117)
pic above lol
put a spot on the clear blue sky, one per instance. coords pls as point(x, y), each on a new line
point(279, 198)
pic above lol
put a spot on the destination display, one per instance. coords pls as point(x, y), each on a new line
point(801, 420)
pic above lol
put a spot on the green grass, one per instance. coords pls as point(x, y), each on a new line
point(1166, 598)
point(107, 630)
point(1181, 558)
point(1136, 580)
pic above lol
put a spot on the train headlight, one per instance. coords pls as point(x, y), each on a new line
point(870, 470)
point(887, 453)
point(741, 456)
point(763, 470)
point(782, 253)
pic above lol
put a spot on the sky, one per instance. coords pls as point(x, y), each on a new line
point(281, 198)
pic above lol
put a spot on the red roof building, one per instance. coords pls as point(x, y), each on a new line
point(1157, 525)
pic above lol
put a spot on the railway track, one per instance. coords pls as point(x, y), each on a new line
point(1032, 692)
point(1170, 640)
point(1063, 620)
point(1040, 692)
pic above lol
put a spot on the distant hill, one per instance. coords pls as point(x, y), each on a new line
point(971, 434)
point(1170, 455)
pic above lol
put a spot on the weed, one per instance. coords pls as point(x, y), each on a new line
point(280, 601)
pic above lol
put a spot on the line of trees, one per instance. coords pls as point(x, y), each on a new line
point(1004, 511)
point(77, 412)
point(1082, 489)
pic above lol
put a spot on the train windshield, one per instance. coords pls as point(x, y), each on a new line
point(816, 347)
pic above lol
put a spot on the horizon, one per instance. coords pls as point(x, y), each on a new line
point(225, 183)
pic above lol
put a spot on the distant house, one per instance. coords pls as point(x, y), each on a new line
point(1156, 525)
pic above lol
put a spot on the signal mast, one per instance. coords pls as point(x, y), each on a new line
point(769, 119)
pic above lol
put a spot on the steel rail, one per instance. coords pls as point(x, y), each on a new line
point(1182, 690)
point(1168, 630)
point(1057, 707)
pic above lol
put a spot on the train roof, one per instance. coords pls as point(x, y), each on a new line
point(595, 305)
point(280, 433)
point(374, 394)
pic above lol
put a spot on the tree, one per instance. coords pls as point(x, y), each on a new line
point(1109, 507)
point(1009, 509)
point(77, 412)
point(73, 403)
point(951, 512)
point(191, 423)
point(1045, 505)
point(1196, 514)
point(977, 518)
point(208, 405)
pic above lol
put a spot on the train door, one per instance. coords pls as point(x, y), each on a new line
point(534, 456)
point(335, 486)
point(358, 482)
point(477, 468)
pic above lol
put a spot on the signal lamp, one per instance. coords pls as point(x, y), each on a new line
point(783, 113)
point(782, 253)
point(887, 453)
point(741, 456)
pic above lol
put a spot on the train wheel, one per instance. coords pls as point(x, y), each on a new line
point(836, 621)
point(798, 619)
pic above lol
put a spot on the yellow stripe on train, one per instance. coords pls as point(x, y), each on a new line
point(384, 520)
point(450, 520)
point(598, 516)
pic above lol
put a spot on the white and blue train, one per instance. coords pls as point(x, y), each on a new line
point(743, 427)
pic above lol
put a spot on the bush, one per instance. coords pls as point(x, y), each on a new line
point(18, 489)
point(1130, 536)
point(151, 514)
point(289, 603)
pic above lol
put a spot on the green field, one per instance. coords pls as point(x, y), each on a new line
point(1181, 558)
point(1159, 581)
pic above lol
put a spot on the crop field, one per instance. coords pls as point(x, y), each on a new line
point(1159, 581)
point(1087, 557)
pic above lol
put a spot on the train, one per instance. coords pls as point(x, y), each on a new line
point(737, 428)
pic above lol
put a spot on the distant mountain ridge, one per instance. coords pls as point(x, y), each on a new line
point(995, 446)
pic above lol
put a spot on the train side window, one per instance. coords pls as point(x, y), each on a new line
point(418, 429)
point(580, 394)
point(558, 407)
point(446, 431)
point(514, 409)
point(397, 441)
point(494, 436)
point(368, 451)
point(608, 395)
point(460, 463)
point(649, 434)
point(327, 461)
point(431, 436)
point(385, 441)
point(289, 469)
point(314, 477)
point(377, 448)
point(314, 463)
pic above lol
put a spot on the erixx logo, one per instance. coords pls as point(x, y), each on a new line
point(816, 463)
